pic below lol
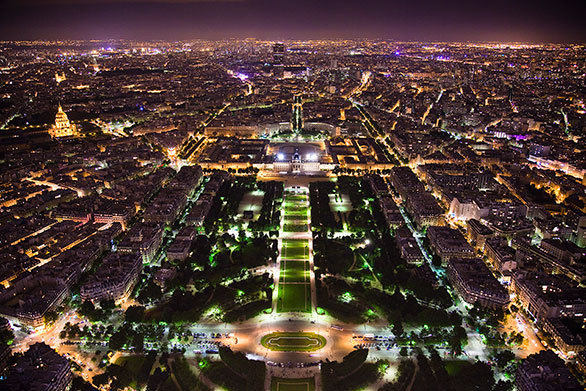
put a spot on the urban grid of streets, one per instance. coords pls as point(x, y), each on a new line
point(341, 338)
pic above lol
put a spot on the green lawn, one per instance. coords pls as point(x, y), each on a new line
point(295, 220)
point(296, 197)
point(293, 341)
point(294, 298)
point(295, 249)
point(292, 384)
point(298, 214)
point(295, 210)
point(292, 227)
point(294, 271)
point(131, 363)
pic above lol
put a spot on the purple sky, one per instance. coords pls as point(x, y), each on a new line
point(437, 20)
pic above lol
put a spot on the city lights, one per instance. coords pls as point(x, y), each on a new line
point(299, 214)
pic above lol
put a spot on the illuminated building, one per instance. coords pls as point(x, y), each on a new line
point(474, 282)
point(114, 279)
point(40, 369)
point(59, 77)
point(63, 127)
point(545, 371)
point(294, 163)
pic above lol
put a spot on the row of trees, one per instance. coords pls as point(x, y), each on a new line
point(322, 217)
point(352, 373)
point(252, 372)
point(270, 212)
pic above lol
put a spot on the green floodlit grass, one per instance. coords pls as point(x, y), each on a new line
point(295, 220)
point(300, 202)
point(297, 214)
point(295, 249)
point(295, 210)
point(290, 194)
point(294, 271)
point(294, 298)
point(293, 341)
point(295, 227)
point(296, 202)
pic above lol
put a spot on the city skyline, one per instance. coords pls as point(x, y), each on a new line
point(426, 20)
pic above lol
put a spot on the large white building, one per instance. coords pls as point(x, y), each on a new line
point(63, 127)
point(297, 164)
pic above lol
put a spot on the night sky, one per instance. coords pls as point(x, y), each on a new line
point(438, 20)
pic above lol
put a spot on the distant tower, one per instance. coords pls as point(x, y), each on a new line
point(62, 127)
point(278, 56)
point(278, 53)
point(297, 115)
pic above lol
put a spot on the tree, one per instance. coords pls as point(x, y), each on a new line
point(74, 331)
point(6, 336)
point(88, 310)
point(503, 358)
point(50, 318)
point(118, 339)
point(107, 304)
point(134, 314)
point(398, 329)
point(138, 342)
point(149, 293)
point(101, 380)
point(79, 384)
point(439, 369)
point(477, 376)
point(121, 377)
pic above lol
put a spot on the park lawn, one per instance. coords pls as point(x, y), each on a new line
point(295, 206)
point(294, 298)
point(295, 249)
point(288, 227)
point(294, 271)
point(131, 363)
point(307, 384)
point(296, 197)
point(295, 220)
point(293, 341)
point(296, 213)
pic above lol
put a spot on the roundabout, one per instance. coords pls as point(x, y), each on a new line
point(293, 341)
